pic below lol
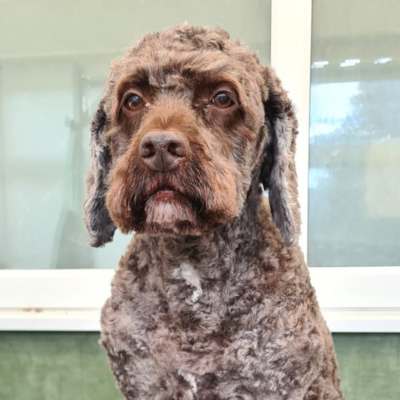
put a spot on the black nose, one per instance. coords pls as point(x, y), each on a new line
point(162, 151)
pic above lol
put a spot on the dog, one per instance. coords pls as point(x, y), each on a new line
point(212, 299)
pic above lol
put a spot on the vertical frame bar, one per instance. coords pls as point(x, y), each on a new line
point(291, 57)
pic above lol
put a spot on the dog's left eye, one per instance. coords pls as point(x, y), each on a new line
point(223, 99)
point(133, 102)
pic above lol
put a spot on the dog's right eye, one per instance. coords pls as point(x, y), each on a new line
point(133, 102)
point(223, 98)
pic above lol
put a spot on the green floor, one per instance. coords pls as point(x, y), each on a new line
point(71, 366)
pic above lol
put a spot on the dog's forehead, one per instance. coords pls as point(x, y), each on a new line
point(191, 52)
point(166, 71)
point(168, 68)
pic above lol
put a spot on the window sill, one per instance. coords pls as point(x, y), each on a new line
point(352, 299)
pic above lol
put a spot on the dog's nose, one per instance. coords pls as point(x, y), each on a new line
point(162, 151)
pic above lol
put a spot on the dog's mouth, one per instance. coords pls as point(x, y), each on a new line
point(164, 195)
point(169, 210)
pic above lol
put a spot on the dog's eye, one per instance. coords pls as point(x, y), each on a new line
point(223, 99)
point(133, 102)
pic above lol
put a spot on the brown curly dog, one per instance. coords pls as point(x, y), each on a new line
point(212, 299)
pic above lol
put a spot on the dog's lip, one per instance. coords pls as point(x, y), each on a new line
point(163, 193)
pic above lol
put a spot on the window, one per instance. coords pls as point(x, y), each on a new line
point(340, 63)
point(52, 72)
point(353, 298)
point(354, 214)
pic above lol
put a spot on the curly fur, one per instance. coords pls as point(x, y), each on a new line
point(212, 299)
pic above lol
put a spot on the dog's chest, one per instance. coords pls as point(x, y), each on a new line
point(197, 322)
point(203, 309)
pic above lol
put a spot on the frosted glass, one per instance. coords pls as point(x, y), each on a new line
point(354, 186)
point(53, 61)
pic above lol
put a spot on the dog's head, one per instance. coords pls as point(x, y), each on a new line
point(189, 123)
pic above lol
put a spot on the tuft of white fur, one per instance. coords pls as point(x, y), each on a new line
point(190, 379)
point(192, 278)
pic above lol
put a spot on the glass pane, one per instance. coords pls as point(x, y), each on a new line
point(53, 61)
point(354, 190)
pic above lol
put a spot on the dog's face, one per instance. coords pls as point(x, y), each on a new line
point(182, 134)
point(185, 125)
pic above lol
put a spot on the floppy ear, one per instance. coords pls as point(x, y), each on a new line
point(98, 222)
point(278, 173)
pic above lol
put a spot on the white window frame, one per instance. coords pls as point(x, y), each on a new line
point(353, 299)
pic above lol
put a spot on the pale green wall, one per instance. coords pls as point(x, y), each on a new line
point(71, 366)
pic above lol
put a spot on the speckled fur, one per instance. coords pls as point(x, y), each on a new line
point(220, 307)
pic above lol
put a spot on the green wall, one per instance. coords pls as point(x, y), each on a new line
point(71, 366)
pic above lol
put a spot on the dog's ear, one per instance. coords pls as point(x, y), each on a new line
point(278, 173)
point(98, 222)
